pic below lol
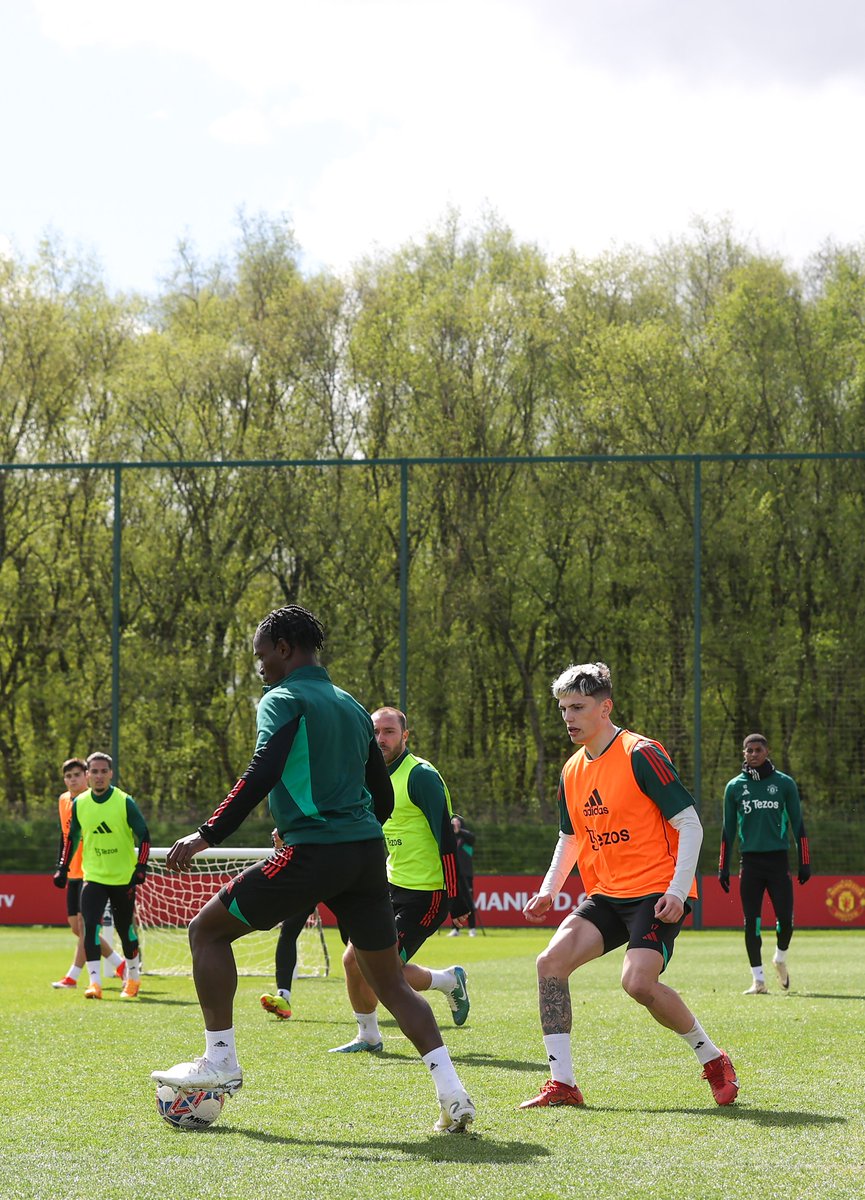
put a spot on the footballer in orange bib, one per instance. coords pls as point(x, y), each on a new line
point(631, 827)
point(618, 806)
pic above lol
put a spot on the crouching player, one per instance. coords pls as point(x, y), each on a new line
point(632, 829)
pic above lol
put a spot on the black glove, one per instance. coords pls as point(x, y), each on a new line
point(138, 875)
point(59, 877)
point(724, 880)
point(460, 906)
point(804, 873)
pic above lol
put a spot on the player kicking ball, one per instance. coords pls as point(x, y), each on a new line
point(631, 828)
point(317, 759)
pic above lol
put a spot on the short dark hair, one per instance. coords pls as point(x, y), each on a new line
point(755, 737)
point(74, 762)
point(295, 625)
point(100, 756)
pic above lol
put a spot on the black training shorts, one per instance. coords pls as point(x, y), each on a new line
point(417, 915)
point(632, 921)
point(73, 897)
point(349, 877)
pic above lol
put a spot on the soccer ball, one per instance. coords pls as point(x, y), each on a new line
point(188, 1110)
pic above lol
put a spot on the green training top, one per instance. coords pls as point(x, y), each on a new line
point(764, 812)
point(321, 795)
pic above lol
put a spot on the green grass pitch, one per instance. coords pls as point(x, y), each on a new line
point(78, 1115)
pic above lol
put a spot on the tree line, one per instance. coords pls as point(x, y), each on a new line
point(464, 344)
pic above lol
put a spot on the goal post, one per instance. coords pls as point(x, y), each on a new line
point(168, 900)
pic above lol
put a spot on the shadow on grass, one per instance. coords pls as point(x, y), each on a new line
point(161, 998)
point(507, 1064)
point(434, 1148)
point(770, 1118)
point(109, 998)
point(825, 996)
point(408, 1054)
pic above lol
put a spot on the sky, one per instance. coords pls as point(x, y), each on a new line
point(130, 126)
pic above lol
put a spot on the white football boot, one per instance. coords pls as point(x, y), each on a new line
point(201, 1075)
point(457, 1114)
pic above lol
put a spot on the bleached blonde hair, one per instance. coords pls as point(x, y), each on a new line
point(589, 679)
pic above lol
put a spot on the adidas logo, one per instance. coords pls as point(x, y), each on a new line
point(103, 828)
point(594, 806)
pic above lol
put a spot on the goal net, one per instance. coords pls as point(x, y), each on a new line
point(167, 901)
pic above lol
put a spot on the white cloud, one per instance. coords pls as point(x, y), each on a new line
point(242, 127)
point(335, 56)
point(601, 161)
point(582, 122)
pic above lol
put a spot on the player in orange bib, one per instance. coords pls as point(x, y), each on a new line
point(632, 829)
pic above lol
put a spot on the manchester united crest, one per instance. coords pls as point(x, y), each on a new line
point(846, 900)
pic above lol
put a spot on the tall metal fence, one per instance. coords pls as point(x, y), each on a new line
point(725, 590)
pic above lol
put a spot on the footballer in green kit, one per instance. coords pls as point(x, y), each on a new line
point(762, 808)
point(317, 762)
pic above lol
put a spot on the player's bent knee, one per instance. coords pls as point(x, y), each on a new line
point(639, 987)
point(552, 963)
point(544, 965)
point(214, 923)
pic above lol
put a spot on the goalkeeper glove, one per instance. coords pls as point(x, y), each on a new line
point(724, 880)
point(804, 873)
point(59, 877)
point(460, 906)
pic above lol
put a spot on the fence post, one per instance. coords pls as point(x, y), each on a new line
point(115, 628)
point(698, 651)
point(403, 586)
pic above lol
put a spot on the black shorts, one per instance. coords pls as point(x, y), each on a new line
point(417, 915)
point(632, 921)
point(73, 897)
point(349, 877)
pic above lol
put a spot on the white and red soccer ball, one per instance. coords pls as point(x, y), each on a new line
point(188, 1110)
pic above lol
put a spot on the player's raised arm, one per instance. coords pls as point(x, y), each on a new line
point(255, 784)
point(562, 863)
point(184, 850)
point(537, 907)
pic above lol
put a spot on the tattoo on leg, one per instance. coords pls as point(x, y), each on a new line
point(555, 1004)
